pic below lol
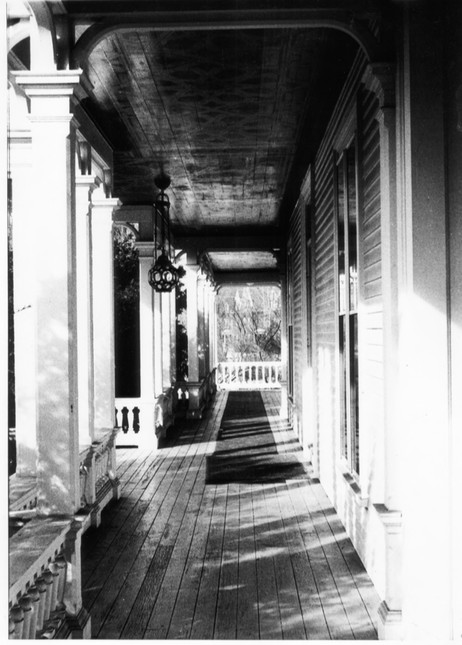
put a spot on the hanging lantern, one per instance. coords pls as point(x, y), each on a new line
point(163, 276)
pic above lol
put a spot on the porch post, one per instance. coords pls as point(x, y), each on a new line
point(85, 185)
point(424, 364)
point(284, 410)
point(54, 272)
point(191, 278)
point(24, 216)
point(166, 318)
point(147, 383)
point(202, 340)
point(103, 310)
point(157, 321)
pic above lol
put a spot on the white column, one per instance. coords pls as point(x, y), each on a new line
point(423, 351)
point(85, 185)
point(192, 271)
point(194, 380)
point(23, 217)
point(173, 336)
point(103, 310)
point(201, 325)
point(166, 327)
point(284, 410)
point(53, 269)
point(157, 343)
point(147, 348)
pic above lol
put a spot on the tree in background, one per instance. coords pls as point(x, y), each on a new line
point(249, 323)
point(126, 310)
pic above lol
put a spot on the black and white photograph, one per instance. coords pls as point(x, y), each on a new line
point(232, 320)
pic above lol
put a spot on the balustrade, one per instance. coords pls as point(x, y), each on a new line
point(250, 375)
point(141, 420)
point(41, 556)
point(98, 479)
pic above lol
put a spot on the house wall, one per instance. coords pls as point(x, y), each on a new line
point(453, 68)
point(297, 316)
point(404, 505)
point(356, 115)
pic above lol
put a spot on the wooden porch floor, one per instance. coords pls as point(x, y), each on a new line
point(185, 555)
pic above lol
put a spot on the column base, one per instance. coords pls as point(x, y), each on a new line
point(76, 626)
point(390, 623)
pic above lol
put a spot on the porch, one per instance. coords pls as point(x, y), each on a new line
point(221, 533)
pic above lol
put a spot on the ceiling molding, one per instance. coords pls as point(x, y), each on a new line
point(316, 18)
point(247, 277)
point(229, 241)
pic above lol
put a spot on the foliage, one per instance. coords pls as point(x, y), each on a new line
point(126, 270)
point(249, 323)
point(126, 310)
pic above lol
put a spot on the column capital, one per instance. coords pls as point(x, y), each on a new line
point(102, 203)
point(192, 269)
point(56, 84)
point(92, 182)
point(145, 249)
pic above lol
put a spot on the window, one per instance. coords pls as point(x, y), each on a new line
point(347, 249)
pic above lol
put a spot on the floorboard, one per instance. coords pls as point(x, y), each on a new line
point(256, 552)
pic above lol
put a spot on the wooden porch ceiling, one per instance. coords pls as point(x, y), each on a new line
point(232, 115)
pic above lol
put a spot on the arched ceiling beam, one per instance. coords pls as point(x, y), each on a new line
point(43, 37)
point(18, 32)
point(237, 19)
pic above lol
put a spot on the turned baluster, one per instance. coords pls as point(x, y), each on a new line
point(42, 590)
point(34, 595)
point(125, 424)
point(136, 420)
point(26, 605)
point(55, 585)
point(48, 578)
point(17, 615)
point(60, 561)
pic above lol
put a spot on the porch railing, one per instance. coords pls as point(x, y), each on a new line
point(43, 578)
point(98, 476)
point(249, 375)
point(142, 421)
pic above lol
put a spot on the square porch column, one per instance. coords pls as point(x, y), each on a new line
point(195, 407)
point(23, 220)
point(85, 185)
point(102, 209)
point(53, 270)
point(147, 343)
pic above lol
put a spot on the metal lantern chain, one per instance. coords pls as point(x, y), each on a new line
point(163, 276)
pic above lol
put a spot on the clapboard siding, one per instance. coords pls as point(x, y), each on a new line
point(297, 304)
point(324, 318)
point(371, 242)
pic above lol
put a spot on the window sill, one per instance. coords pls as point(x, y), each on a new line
point(361, 500)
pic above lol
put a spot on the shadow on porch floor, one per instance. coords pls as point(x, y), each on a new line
point(222, 552)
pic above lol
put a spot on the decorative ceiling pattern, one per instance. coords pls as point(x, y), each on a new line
point(220, 111)
point(250, 261)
